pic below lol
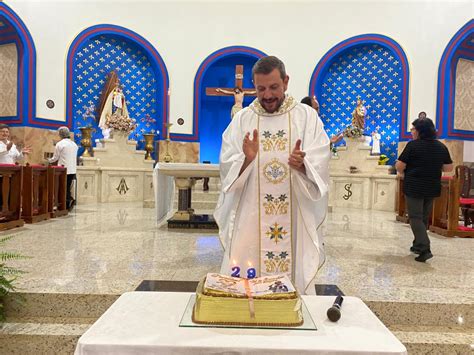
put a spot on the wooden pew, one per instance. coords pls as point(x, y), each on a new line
point(445, 215)
point(10, 214)
point(35, 193)
point(57, 191)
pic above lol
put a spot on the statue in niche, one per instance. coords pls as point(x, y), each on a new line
point(356, 128)
point(376, 142)
point(112, 103)
point(358, 115)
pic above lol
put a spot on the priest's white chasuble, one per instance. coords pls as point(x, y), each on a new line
point(269, 217)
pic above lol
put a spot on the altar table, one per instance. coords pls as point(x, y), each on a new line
point(148, 323)
point(166, 175)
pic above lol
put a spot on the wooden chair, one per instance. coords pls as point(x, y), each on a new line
point(35, 193)
point(10, 199)
point(445, 214)
point(466, 200)
point(57, 191)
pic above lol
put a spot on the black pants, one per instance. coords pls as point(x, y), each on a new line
point(419, 210)
point(69, 180)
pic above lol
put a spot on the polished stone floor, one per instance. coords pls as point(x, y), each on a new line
point(111, 248)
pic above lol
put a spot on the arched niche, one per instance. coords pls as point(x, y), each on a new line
point(458, 53)
point(93, 54)
point(374, 68)
point(14, 31)
point(211, 114)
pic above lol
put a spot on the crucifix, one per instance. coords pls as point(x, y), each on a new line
point(239, 76)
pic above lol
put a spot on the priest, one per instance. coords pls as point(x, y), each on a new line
point(274, 175)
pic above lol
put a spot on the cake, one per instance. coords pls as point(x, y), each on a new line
point(262, 301)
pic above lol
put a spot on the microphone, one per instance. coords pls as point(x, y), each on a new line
point(334, 313)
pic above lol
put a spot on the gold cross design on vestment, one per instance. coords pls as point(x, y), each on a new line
point(276, 232)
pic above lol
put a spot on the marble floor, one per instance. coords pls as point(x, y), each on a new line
point(111, 248)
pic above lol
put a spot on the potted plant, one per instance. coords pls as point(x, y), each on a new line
point(8, 275)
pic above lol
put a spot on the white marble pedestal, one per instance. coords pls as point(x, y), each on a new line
point(370, 187)
point(117, 173)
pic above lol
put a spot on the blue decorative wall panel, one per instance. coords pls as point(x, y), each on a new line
point(93, 61)
point(374, 74)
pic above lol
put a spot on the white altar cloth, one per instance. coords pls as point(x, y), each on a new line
point(148, 323)
point(164, 185)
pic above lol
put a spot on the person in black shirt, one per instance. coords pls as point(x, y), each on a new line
point(421, 163)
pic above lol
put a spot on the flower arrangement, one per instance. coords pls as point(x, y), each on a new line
point(148, 120)
point(353, 132)
point(383, 159)
point(121, 123)
point(89, 115)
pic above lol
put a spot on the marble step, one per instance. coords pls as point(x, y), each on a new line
point(426, 314)
point(58, 305)
point(435, 340)
point(49, 323)
point(36, 337)
point(429, 328)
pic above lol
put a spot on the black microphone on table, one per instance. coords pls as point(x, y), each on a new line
point(334, 313)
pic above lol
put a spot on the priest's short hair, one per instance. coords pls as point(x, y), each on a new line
point(266, 65)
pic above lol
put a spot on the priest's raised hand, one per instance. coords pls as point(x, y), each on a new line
point(296, 159)
point(250, 149)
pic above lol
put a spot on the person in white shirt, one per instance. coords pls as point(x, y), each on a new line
point(65, 153)
point(9, 153)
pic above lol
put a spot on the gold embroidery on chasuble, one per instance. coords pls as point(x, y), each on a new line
point(276, 205)
point(277, 263)
point(275, 171)
point(275, 141)
point(274, 181)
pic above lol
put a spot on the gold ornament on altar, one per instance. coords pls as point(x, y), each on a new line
point(167, 158)
point(149, 121)
point(86, 141)
point(148, 145)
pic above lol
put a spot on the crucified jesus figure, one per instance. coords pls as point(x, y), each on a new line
point(238, 97)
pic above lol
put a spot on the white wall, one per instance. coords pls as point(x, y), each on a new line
point(468, 152)
point(299, 32)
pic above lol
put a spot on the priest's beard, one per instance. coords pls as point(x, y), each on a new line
point(272, 105)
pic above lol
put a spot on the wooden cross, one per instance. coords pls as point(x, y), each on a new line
point(239, 76)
